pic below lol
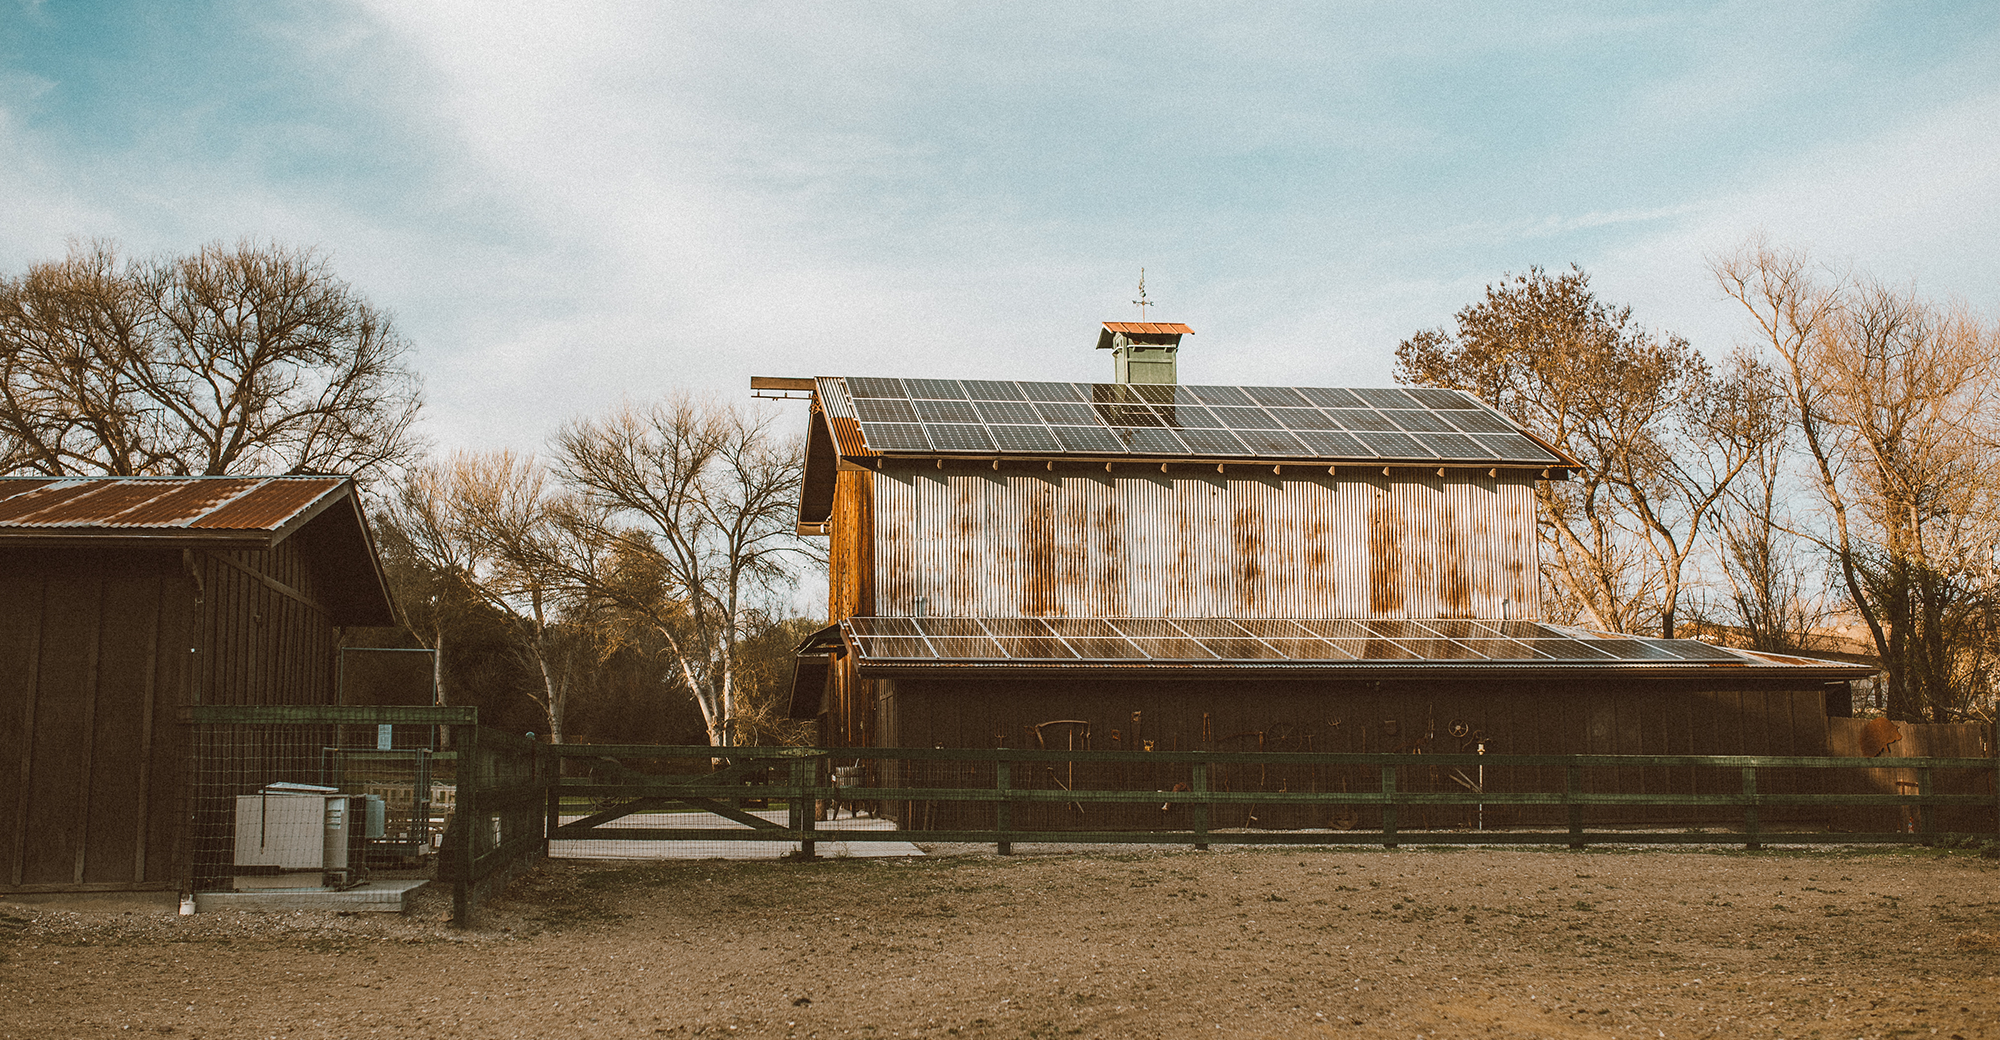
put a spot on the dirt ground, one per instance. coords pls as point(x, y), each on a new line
point(1245, 943)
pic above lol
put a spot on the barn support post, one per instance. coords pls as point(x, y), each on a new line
point(1572, 787)
point(1198, 783)
point(1388, 807)
point(1753, 827)
point(1003, 810)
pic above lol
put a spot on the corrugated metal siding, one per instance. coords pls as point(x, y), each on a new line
point(1008, 544)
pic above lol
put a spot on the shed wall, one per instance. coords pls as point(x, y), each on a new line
point(1301, 543)
point(99, 648)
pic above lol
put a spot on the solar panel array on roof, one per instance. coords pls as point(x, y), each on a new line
point(1264, 641)
point(985, 416)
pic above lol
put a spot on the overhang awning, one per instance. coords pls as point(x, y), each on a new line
point(1294, 648)
point(811, 660)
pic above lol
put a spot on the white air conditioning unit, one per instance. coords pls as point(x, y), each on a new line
point(306, 827)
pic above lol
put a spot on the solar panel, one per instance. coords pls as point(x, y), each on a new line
point(1005, 628)
point(1631, 650)
point(1339, 629)
point(1329, 396)
point(1128, 415)
point(1418, 420)
point(1332, 445)
point(1435, 398)
point(1211, 628)
point(1309, 650)
point(1303, 419)
point(1044, 648)
point(961, 628)
point(1386, 397)
point(1458, 628)
point(1273, 442)
point(1213, 442)
point(1103, 648)
point(1068, 413)
point(1156, 628)
point(1052, 392)
point(1275, 396)
point(1420, 424)
point(1479, 421)
point(1149, 440)
point(1513, 446)
point(1220, 395)
point(992, 390)
point(868, 386)
point(947, 411)
point(1565, 649)
point(1245, 418)
point(1190, 415)
point(1359, 419)
point(966, 648)
point(934, 388)
point(870, 409)
point(1499, 649)
point(1457, 446)
point(895, 647)
point(895, 436)
point(1090, 627)
point(1175, 649)
point(1438, 649)
point(883, 626)
point(1692, 650)
point(1024, 438)
point(1007, 412)
point(959, 437)
point(1373, 650)
point(1241, 649)
point(1087, 438)
point(1393, 445)
point(1270, 628)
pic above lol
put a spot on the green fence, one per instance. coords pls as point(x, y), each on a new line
point(1003, 797)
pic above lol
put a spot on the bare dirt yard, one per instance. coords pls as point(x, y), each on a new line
point(1256, 942)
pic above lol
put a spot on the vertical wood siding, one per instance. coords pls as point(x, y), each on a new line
point(1094, 544)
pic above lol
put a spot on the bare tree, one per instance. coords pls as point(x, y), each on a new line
point(1893, 400)
point(235, 359)
point(484, 522)
point(1658, 433)
point(683, 511)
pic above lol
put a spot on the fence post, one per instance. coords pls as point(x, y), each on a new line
point(1753, 824)
point(1388, 807)
point(555, 797)
point(803, 813)
point(1198, 784)
point(1003, 810)
point(465, 814)
point(1926, 816)
point(1572, 787)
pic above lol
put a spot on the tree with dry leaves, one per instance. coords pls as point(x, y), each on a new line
point(234, 359)
point(1658, 432)
point(1894, 401)
point(483, 527)
point(681, 513)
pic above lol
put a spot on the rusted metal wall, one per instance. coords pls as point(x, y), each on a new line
point(1197, 543)
point(851, 550)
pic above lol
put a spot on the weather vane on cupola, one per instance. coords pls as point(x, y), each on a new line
point(1142, 302)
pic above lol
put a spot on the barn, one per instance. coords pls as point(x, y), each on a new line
point(124, 599)
point(1134, 565)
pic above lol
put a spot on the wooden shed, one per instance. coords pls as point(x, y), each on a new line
point(123, 599)
point(1285, 568)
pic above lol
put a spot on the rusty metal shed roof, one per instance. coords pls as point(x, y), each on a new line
point(1148, 328)
point(246, 512)
point(1296, 648)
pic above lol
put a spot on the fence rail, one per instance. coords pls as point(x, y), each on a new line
point(1002, 784)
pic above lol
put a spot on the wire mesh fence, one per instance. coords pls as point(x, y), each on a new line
point(349, 799)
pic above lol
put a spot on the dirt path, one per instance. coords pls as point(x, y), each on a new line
point(1243, 943)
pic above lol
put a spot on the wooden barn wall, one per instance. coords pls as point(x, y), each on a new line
point(1550, 716)
point(262, 641)
point(93, 655)
point(1246, 543)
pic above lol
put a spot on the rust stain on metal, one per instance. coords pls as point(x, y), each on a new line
point(269, 506)
point(1246, 538)
point(1385, 557)
point(1038, 541)
point(1114, 575)
point(1457, 582)
point(137, 503)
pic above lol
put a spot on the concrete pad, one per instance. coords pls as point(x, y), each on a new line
point(371, 896)
point(611, 848)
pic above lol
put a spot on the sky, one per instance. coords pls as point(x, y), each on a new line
point(567, 205)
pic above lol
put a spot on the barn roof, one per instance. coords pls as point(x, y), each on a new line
point(1292, 648)
point(246, 512)
point(998, 418)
